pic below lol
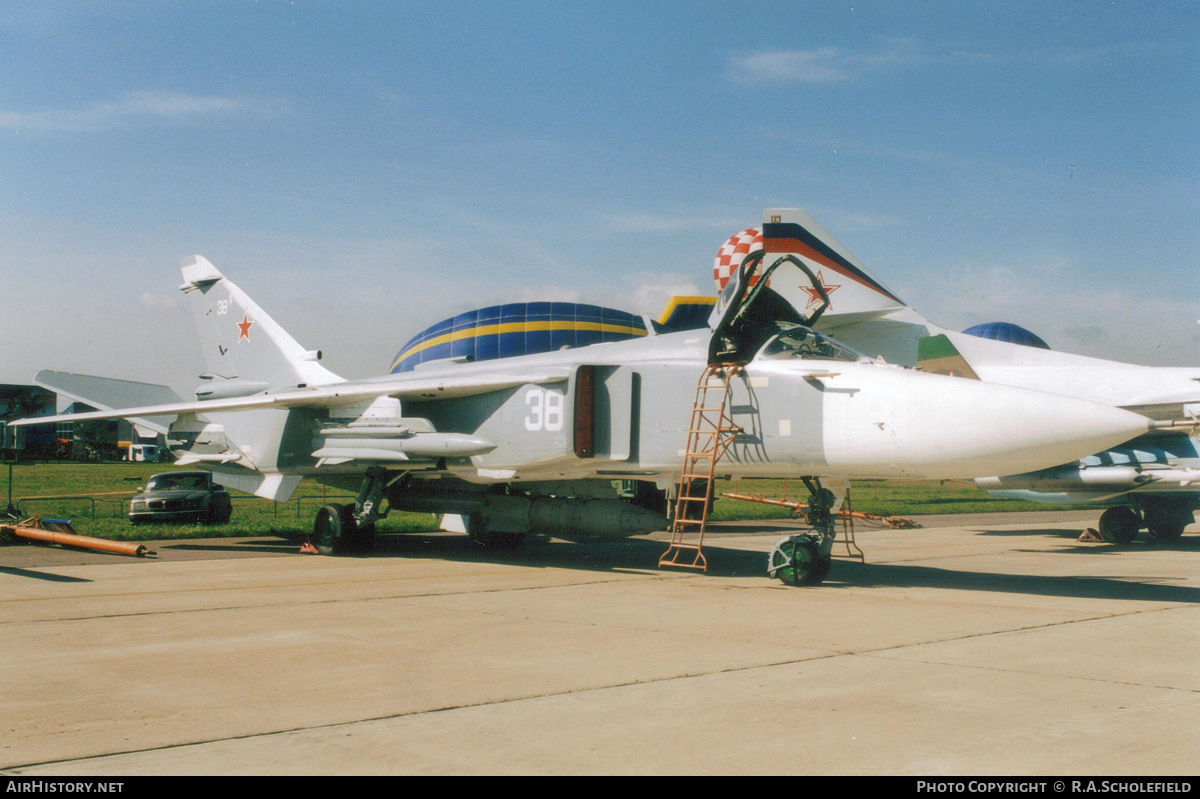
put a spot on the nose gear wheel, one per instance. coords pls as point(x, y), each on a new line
point(805, 559)
point(797, 560)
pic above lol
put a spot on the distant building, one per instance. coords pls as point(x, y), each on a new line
point(65, 393)
point(19, 401)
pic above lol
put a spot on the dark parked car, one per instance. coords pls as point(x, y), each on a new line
point(181, 497)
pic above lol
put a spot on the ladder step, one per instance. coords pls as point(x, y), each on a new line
point(710, 432)
point(670, 557)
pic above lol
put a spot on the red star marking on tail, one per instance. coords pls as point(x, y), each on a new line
point(244, 328)
point(814, 296)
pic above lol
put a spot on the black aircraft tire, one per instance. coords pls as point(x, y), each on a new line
point(798, 562)
point(1119, 525)
point(327, 530)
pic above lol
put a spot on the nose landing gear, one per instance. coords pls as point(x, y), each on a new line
point(805, 559)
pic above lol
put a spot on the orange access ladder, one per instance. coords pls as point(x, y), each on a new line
point(710, 433)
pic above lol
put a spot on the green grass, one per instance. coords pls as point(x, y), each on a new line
point(884, 497)
point(105, 489)
point(108, 488)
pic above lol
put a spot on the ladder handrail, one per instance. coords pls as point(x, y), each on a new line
point(717, 435)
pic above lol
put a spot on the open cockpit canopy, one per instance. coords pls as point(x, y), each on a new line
point(763, 299)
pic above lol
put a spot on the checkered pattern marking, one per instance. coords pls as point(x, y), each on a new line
point(733, 252)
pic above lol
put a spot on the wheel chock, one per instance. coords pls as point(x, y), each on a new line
point(1090, 536)
point(308, 549)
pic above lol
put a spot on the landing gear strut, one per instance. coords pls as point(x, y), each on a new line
point(805, 559)
point(351, 528)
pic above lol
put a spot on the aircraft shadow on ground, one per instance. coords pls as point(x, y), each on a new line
point(1050, 532)
point(265, 546)
point(643, 554)
point(1188, 543)
point(877, 575)
point(12, 571)
point(600, 556)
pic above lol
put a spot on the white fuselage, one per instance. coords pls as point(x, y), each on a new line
point(797, 416)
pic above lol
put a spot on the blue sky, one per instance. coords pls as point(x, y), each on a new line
point(365, 169)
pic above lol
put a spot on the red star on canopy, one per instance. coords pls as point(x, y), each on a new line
point(814, 296)
point(244, 328)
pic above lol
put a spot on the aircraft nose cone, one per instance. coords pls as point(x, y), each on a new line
point(951, 427)
point(1051, 430)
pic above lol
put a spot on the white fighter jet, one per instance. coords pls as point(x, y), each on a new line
point(542, 443)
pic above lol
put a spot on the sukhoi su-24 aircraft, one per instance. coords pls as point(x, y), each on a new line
point(538, 444)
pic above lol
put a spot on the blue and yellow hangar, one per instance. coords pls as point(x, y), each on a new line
point(528, 328)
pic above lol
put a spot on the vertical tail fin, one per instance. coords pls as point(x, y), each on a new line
point(240, 341)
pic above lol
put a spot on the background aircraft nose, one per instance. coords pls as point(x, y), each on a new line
point(951, 427)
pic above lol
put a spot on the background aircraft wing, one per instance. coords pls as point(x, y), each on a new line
point(106, 393)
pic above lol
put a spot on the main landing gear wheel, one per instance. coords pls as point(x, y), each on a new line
point(335, 531)
point(797, 560)
point(328, 530)
point(1119, 525)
